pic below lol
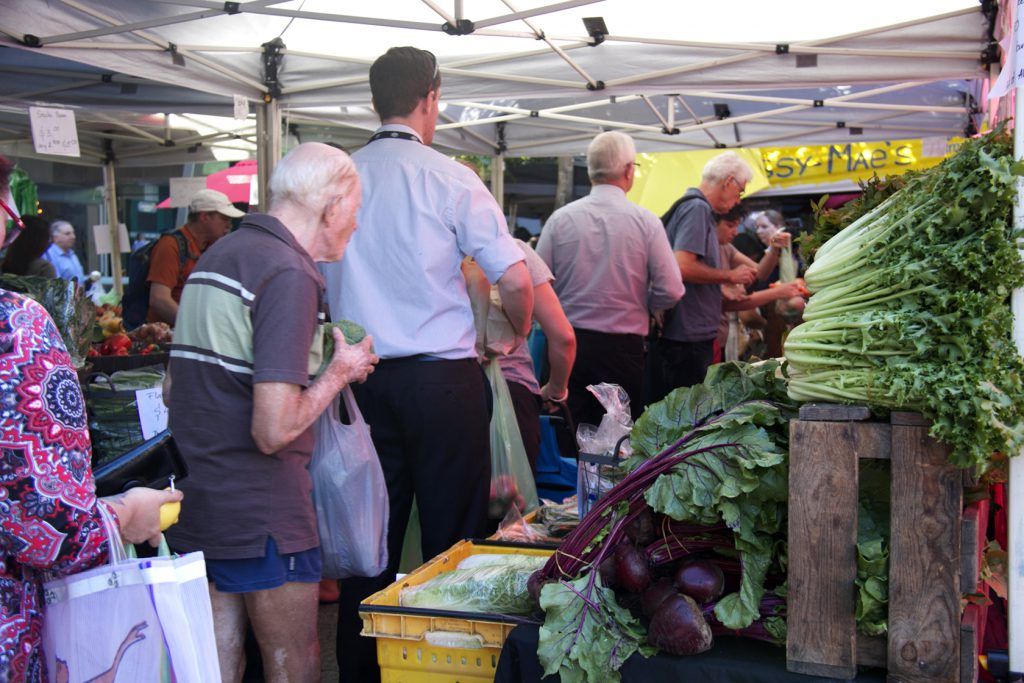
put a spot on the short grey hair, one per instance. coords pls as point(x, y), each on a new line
point(56, 226)
point(608, 154)
point(309, 174)
point(725, 165)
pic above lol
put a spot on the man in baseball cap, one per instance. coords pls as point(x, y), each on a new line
point(212, 200)
point(175, 253)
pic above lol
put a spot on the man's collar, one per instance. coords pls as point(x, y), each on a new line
point(607, 189)
point(400, 127)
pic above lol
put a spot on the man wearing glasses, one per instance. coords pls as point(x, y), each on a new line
point(427, 401)
point(687, 342)
point(613, 268)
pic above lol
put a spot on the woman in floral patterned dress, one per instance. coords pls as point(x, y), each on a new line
point(49, 513)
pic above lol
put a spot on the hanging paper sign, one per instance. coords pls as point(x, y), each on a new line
point(152, 411)
point(1012, 75)
point(241, 107)
point(183, 189)
point(54, 131)
point(101, 238)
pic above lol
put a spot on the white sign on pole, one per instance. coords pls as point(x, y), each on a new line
point(54, 131)
point(101, 238)
point(152, 411)
point(241, 107)
point(182, 190)
point(1012, 75)
point(934, 146)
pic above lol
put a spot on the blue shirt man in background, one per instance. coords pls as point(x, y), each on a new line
point(61, 252)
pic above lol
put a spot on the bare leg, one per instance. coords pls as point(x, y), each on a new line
point(229, 627)
point(284, 621)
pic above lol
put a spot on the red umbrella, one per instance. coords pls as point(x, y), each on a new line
point(235, 182)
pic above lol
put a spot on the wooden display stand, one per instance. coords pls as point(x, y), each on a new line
point(925, 583)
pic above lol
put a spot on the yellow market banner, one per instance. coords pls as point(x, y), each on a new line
point(853, 161)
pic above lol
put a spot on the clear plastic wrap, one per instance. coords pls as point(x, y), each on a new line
point(491, 588)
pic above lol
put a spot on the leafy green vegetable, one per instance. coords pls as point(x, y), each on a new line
point(586, 635)
point(353, 332)
point(873, 547)
point(499, 589)
point(72, 312)
point(910, 307)
point(828, 222)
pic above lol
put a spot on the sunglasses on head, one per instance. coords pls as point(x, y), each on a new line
point(13, 233)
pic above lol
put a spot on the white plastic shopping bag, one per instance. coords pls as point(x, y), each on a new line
point(131, 620)
point(350, 495)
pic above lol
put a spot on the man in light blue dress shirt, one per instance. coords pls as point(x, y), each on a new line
point(62, 252)
point(427, 401)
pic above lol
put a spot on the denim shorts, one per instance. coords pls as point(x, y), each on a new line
point(262, 573)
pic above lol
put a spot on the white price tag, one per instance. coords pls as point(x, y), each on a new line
point(152, 411)
point(241, 107)
point(54, 131)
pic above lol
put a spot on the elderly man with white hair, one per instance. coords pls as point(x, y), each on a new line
point(613, 268)
point(242, 406)
point(687, 343)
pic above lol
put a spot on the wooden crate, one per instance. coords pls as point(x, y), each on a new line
point(924, 639)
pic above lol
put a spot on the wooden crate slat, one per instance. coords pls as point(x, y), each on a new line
point(972, 631)
point(821, 625)
point(833, 412)
point(924, 573)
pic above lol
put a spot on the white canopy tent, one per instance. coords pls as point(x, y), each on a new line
point(528, 79)
point(520, 77)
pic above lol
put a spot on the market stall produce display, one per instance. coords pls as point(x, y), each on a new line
point(707, 481)
point(910, 306)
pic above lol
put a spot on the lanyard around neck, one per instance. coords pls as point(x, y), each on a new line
point(393, 135)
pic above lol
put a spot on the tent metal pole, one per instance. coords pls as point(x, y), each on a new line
point(545, 9)
point(492, 144)
point(746, 56)
point(543, 113)
point(268, 146)
point(554, 141)
point(149, 23)
point(498, 179)
point(444, 15)
point(110, 195)
point(167, 46)
point(343, 19)
point(797, 49)
point(32, 94)
point(664, 122)
point(697, 119)
point(591, 83)
point(489, 75)
point(127, 126)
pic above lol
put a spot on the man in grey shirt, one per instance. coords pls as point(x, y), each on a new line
point(687, 343)
point(613, 267)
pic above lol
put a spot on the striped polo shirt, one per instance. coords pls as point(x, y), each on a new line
point(250, 312)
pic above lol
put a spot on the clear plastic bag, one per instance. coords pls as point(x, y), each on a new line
point(512, 481)
point(349, 494)
point(603, 446)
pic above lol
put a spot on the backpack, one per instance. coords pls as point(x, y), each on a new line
point(667, 216)
point(135, 302)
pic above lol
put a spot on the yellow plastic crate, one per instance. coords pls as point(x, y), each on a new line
point(403, 652)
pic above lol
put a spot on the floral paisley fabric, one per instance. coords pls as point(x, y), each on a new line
point(49, 519)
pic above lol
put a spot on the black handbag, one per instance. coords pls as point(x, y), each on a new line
point(151, 464)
